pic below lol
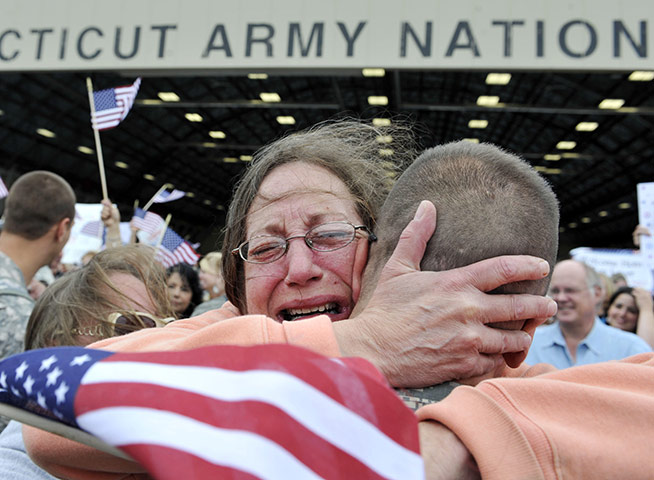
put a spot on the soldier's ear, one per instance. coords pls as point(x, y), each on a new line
point(62, 229)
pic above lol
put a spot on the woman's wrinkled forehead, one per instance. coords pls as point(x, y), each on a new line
point(305, 189)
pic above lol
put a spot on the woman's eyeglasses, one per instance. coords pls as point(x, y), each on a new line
point(325, 237)
point(124, 323)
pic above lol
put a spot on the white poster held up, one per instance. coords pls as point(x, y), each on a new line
point(80, 243)
point(630, 263)
point(645, 192)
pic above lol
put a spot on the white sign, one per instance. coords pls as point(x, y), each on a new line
point(210, 35)
point(609, 261)
point(645, 192)
point(80, 243)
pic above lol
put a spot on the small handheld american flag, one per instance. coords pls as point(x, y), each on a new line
point(113, 104)
point(166, 196)
point(267, 411)
point(174, 249)
point(149, 222)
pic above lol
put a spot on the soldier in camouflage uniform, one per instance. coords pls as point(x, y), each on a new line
point(15, 307)
point(39, 214)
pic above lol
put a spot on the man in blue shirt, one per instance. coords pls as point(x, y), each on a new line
point(579, 337)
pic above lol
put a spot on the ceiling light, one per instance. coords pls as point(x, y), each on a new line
point(547, 170)
point(386, 152)
point(121, 165)
point(209, 144)
point(603, 213)
point(2, 112)
point(168, 96)
point(149, 101)
point(46, 133)
point(384, 139)
point(381, 122)
point(230, 160)
point(220, 207)
point(641, 76)
point(488, 100)
point(572, 225)
point(561, 229)
point(84, 149)
point(373, 72)
point(257, 76)
point(624, 205)
point(611, 103)
point(566, 145)
point(498, 78)
point(190, 194)
point(245, 158)
point(586, 126)
point(471, 140)
point(207, 202)
point(570, 155)
point(552, 157)
point(478, 123)
point(378, 100)
point(147, 176)
point(193, 117)
point(286, 120)
point(270, 97)
point(217, 134)
point(585, 220)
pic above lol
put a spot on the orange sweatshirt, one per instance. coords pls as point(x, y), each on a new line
point(593, 420)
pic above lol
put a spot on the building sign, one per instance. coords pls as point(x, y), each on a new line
point(38, 35)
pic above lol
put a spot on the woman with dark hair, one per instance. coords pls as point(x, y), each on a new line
point(184, 289)
point(632, 310)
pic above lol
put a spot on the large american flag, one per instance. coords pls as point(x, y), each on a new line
point(149, 222)
point(113, 104)
point(166, 196)
point(174, 249)
point(267, 411)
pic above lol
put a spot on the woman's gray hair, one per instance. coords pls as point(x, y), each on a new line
point(352, 150)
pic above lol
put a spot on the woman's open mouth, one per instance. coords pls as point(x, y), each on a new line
point(292, 314)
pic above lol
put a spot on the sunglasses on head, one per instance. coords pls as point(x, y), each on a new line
point(124, 323)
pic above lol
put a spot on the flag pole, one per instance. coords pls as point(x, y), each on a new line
point(98, 145)
point(151, 201)
point(163, 232)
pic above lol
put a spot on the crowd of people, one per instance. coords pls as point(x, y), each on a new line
point(323, 250)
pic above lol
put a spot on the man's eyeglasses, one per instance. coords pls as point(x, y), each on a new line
point(325, 237)
point(124, 323)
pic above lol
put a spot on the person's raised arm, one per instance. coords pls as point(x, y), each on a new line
point(645, 328)
point(638, 232)
point(111, 219)
point(423, 328)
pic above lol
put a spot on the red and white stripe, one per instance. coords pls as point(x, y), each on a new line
point(270, 411)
